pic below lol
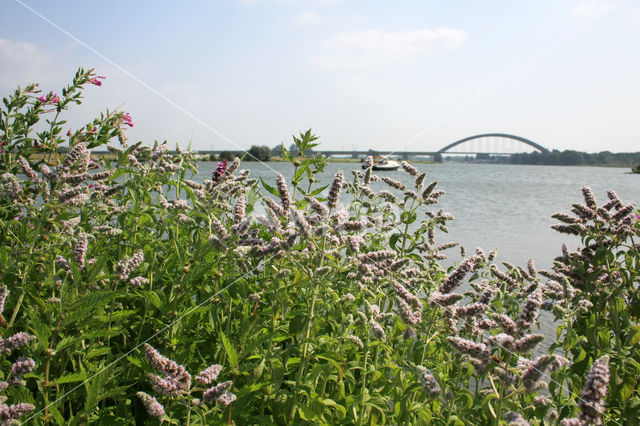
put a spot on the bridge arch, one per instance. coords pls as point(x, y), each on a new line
point(501, 135)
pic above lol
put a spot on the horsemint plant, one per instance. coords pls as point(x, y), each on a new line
point(326, 308)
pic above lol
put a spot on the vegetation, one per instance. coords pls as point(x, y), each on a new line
point(258, 153)
point(576, 158)
point(134, 294)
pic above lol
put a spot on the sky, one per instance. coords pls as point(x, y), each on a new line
point(404, 75)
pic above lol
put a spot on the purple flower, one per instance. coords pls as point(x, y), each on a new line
point(96, 81)
point(128, 120)
point(221, 168)
point(68, 133)
point(43, 99)
point(55, 99)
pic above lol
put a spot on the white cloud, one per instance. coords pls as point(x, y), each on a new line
point(306, 19)
point(22, 62)
point(409, 42)
point(358, 49)
point(590, 8)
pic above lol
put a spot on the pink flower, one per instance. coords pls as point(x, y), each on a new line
point(55, 99)
point(128, 120)
point(16, 218)
point(69, 133)
point(92, 131)
point(95, 81)
point(43, 98)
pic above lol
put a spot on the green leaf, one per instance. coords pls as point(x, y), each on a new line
point(307, 413)
point(69, 378)
point(270, 188)
point(342, 412)
point(634, 335)
point(231, 352)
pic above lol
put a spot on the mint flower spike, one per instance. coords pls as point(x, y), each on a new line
point(153, 407)
point(594, 392)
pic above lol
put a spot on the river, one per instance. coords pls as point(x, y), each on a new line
point(507, 207)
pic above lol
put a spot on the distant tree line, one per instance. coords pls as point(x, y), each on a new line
point(255, 153)
point(576, 158)
point(258, 153)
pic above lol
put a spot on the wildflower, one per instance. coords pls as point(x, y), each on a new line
point(388, 196)
point(503, 340)
point(43, 98)
point(177, 378)
point(95, 81)
point(469, 347)
point(594, 392)
point(355, 340)
point(438, 298)
point(55, 99)
point(334, 192)
point(301, 222)
point(375, 256)
point(316, 205)
point(558, 362)
point(528, 342)
point(239, 210)
point(226, 398)
point(153, 407)
point(530, 311)
point(535, 370)
point(80, 249)
point(542, 401)
point(471, 310)
point(368, 162)
point(63, 263)
point(353, 225)
point(14, 342)
point(92, 131)
point(420, 180)
point(275, 208)
point(112, 190)
point(131, 264)
point(28, 170)
point(429, 383)
point(377, 329)
point(128, 120)
point(589, 199)
point(4, 292)
point(354, 242)
point(209, 375)
point(427, 191)
point(285, 198)
point(410, 169)
point(515, 419)
point(454, 279)
point(9, 413)
point(211, 394)
point(74, 154)
point(394, 183)
point(21, 367)
point(138, 282)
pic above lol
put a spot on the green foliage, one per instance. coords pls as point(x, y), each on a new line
point(576, 158)
point(331, 308)
point(258, 153)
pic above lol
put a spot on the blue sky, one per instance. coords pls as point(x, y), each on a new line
point(406, 75)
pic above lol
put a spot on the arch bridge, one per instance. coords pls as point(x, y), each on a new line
point(492, 143)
